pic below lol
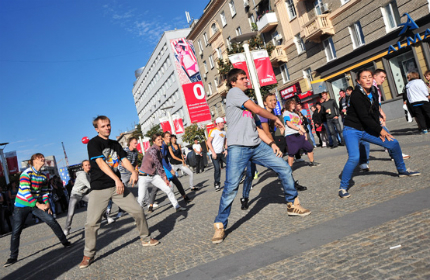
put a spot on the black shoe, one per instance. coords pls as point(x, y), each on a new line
point(244, 202)
point(195, 189)
point(10, 262)
point(299, 187)
point(187, 199)
point(150, 209)
point(334, 147)
point(67, 244)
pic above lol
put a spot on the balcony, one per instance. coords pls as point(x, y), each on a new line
point(278, 55)
point(222, 88)
point(214, 36)
point(267, 22)
point(318, 26)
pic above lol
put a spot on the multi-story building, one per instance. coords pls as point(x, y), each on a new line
point(157, 84)
point(319, 45)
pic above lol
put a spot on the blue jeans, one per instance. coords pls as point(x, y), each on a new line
point(365, 150)
point(237, 159)
point(311, 135)
point(330, 140)
point(247, 183)
point(20, 215)
point(352, 138)
point(217, 169)
point(335, 131)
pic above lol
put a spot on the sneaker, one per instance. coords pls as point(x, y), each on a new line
point(151, 242)
point(299, 187)
point(194, 189)
point(409, 173)
point(187, 199)
point(217, 188)
point(66, 232)
point(424, 131)
point(405, 156)
point(244, 202)
point(155, 205)
point(256, 175)
point(108, 212)
point(314, 164)
point(10, 262)
point(67, 244)
point(180, 208)
point(343, 193)
point(150, 209)
point(219, 233)
point(86, 261)
point(296, 209)
point(364, 167)
point(334, 147)
point(299, 160)
point(119, 215)
point(110, 220)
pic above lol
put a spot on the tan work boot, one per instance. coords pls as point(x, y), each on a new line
point(296, 209)
point(219, 233)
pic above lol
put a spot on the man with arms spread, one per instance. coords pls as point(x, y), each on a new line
point(244, 145)
point(106, 184)
point(216, 143)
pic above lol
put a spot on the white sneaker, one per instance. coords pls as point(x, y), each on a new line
point(155, 205)
point(66, 232)
point(119, 215)
point(364, 167)
point(110, 220)
point(405, 156)
point(108, 212)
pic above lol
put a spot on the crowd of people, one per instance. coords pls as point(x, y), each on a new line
point(255, 136)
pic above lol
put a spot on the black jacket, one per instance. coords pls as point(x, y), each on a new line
point(362, 114)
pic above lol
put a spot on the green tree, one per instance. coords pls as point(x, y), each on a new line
point(192, 132)
point(154, 130)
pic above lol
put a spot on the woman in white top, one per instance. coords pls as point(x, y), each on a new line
point(418, 97)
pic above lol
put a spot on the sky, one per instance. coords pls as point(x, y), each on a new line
point(62, 63)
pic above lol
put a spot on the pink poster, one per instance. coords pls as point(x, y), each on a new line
point(185, 61)
point(197, 105)
point(265, 73)
point(178, 124)
point(165, 124)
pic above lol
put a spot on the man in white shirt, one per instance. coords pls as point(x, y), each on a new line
point(217, 145)
point(199, 155)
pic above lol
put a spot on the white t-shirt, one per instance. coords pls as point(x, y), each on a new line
point(218, 140)
point(197, 147)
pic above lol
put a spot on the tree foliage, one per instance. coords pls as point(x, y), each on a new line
point(154, 130)
point(192, 132)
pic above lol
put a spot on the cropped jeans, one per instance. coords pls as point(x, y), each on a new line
point(352, 138)
point(237, 160)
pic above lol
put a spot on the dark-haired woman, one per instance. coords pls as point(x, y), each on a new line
point(362, 123)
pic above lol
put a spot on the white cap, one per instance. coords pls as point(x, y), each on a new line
point(219, 120)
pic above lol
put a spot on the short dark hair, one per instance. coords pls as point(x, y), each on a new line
point(96, 120)
point(362, 71)
point(267, 96)
point(233, 74)
point(195, 138)
point(341, 90)
point(155, 136)
point(82, 162)
point(131, 139)
point(165, 133)
point(377, 71)
point(173, 136)
point(427, 73)
point(349, 88)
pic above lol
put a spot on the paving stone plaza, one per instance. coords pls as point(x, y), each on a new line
point(381, 232)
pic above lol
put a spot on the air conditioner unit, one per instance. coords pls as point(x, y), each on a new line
point(278, 37)
point(325, 8)
point(246, 3)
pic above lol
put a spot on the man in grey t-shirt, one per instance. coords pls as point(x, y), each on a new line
point(244, 141)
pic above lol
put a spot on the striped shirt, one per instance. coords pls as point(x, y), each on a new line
point(33, 188)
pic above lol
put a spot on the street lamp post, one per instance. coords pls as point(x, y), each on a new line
point(250, 62)
point(4, 162)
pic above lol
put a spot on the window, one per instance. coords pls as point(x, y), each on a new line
point(210, 89)
point(300, 45)
point(357, 36)
point(232, 8)
point(238, 31)
point(205, 37)
point(200, 45)
point(252, 23)
point(223, 20)
point(330, 52)
point(228, 43)
point(214, 28)
point(205, 65)
point(391, 16)
point(219, 53)
point(290, 9)
point(318, 7)
point(307, 74)
point(284, 73)
point(216, 83)
point(211, 61)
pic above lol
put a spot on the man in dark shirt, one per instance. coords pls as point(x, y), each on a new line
point(106, 155)
point(332, 114)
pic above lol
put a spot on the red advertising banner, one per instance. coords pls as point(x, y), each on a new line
point(239, 61)
point(146, 145)
point(165, 125)
point(12, 163)
point(195, 98)
point(178, 124)
point(303, 95)
point(290, 91)
point(209, 127)
point(265, 73)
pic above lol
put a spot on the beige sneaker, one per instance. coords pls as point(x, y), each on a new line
point(86, 261)
point(151, 242)
point(219, 233)
point(296, 209)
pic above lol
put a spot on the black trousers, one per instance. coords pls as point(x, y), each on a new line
point(422, 113)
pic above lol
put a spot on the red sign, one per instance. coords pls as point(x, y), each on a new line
point(12, 163)
point(264, 68)
point(165, 125)
point(209, 127)
point(239, 61)
point(303, 95)
point(178, 124)
point(290, 91)
point(195, 98)
point(146, 145)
